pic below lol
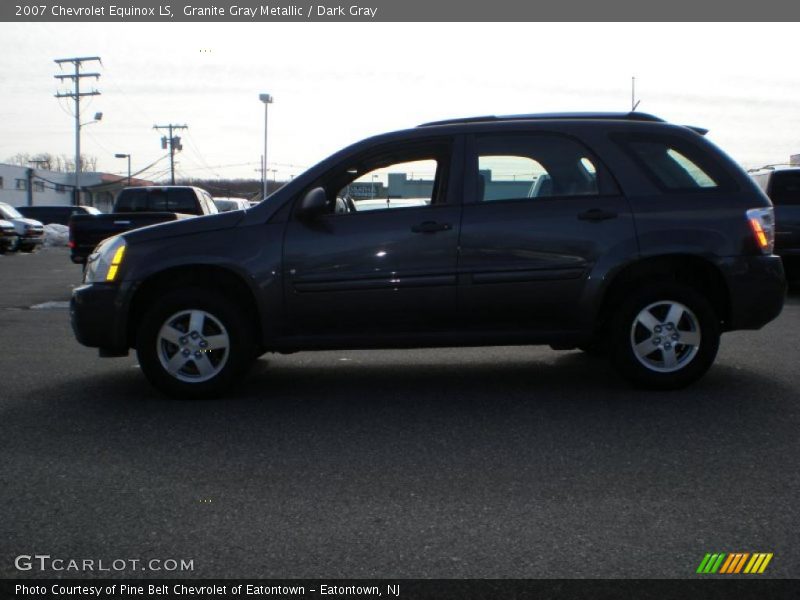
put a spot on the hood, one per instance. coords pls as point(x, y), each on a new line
point(6, 224)
point(31, 222)
point(190, 226)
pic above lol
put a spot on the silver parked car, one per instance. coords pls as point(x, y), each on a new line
point(229, 204)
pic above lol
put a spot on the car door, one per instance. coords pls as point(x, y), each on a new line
point(382, 257)
point(540, 212)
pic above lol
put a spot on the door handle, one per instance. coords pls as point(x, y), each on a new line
point(431, 227)
point(597, 214)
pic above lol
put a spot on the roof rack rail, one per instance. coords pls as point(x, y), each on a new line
point(628, 116)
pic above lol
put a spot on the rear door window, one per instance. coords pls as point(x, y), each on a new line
point(525, 167)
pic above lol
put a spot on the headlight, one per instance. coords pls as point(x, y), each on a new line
point(104, 263)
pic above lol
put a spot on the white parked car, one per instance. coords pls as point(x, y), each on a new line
point(30, 231)
point(229, 204)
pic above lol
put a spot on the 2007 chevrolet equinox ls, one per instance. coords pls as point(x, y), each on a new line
point(615, 233)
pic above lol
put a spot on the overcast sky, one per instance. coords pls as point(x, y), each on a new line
point(336, 83)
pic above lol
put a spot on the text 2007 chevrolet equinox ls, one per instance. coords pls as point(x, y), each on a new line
point(611, 232)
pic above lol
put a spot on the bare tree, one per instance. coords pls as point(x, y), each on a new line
point(20, 158)
point(51, 162)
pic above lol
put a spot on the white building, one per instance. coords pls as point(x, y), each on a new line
point(27, 186)
point(23, 186)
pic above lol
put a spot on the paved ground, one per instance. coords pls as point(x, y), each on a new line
point(500, 462)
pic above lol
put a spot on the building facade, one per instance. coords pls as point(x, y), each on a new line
point(27, 186)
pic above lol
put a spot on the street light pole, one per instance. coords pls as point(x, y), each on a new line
point(128, 156)
point(267, 100)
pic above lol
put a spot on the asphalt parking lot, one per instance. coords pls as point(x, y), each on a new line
point(497, 463)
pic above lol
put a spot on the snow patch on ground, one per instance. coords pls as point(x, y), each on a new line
point(55, 235)
point(53, 304)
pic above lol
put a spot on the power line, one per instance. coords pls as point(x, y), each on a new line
point(121, 177)
point(200, 156)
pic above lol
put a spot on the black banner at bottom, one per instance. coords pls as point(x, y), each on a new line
point(406, 589)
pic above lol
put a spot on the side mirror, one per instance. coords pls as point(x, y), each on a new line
point(313, 204)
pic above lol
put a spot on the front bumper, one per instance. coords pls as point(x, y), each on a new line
point(8, 240)
point(98, 312)
point(31, 240)
point(757, 290)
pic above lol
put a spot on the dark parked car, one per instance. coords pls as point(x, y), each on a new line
point(783, 188)
point(56, 214)
point(136, 207)
point(644, 241)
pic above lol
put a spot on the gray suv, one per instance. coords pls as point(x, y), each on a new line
point(617, 233)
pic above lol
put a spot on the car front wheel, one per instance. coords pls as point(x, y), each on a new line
point(195, 343)
point(665, 336)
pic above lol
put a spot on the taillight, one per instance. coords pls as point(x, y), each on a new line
point(762, 224)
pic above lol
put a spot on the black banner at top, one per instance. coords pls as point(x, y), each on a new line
point(392, 10)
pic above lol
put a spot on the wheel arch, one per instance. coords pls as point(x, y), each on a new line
point(215, 277)
point(697, 272)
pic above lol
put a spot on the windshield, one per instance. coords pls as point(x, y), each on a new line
point(9, 212)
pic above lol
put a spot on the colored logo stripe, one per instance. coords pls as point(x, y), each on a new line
point(732, 563)
point(758, 563)
point(710, 563)
point(736, 563)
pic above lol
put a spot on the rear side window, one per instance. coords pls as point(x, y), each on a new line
point(675, 164)
point(785, 188)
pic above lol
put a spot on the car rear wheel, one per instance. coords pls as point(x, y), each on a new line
point(665, 336)
point(195, 343)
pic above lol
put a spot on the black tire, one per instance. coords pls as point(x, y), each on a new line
point(671, 364)
point(594, 348)
point(223, 316)
point(27, 247)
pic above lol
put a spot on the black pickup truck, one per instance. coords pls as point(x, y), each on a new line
point(136, 207)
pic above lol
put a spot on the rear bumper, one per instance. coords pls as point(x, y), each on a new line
point(79, 254)
point(98, 316)
point(757, 290)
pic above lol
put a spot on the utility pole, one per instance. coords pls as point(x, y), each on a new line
point(76, 95)
point(172, 142)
